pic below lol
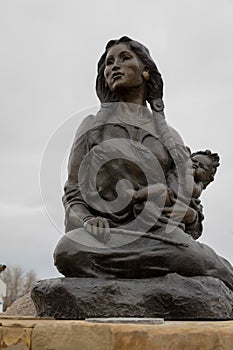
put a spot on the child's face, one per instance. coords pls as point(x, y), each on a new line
point(203, 167)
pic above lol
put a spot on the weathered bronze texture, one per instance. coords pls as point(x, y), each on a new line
point(132, 198)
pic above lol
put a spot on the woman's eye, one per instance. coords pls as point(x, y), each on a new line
point(109, 62)
point(125, 58)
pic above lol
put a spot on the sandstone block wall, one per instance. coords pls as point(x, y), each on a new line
point(38, 334)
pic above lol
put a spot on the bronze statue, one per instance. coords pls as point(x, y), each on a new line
point(132, 195)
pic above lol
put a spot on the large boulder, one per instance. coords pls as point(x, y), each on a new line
point(172, 297)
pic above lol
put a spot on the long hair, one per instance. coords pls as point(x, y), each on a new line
point(154, 90)
point(154, 84)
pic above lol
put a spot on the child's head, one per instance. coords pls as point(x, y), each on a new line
point(205, 164)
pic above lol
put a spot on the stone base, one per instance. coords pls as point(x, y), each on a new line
point(38, 334)
point(172, 297)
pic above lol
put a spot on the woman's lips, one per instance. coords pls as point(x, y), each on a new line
point(116, 76)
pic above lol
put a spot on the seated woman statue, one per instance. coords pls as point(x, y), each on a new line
point(126, 147)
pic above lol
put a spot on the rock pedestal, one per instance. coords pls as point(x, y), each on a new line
point(172, 297)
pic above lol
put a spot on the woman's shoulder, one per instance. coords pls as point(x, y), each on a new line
point(175, 135)
point(183, 151)
point(85, 126)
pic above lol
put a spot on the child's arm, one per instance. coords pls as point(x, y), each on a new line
point(191, 187)
point(197, 189)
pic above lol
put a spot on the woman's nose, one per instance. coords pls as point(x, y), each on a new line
point(116, 65)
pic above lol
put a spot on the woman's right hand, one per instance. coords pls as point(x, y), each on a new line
point(99, 228)
point(181, 212)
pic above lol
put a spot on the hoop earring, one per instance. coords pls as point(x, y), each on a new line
point(145, 75)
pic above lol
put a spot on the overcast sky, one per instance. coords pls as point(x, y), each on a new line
point(48, 55)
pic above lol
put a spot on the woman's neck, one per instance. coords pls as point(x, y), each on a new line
point(132, 112)
point(133, 95)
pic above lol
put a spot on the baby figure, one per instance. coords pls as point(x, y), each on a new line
point(198, 173)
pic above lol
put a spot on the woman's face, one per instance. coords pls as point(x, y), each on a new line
point(123, 69)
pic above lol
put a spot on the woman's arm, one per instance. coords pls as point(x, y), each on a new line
point(76, 209)
point(151, 192)
point(78, 213)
